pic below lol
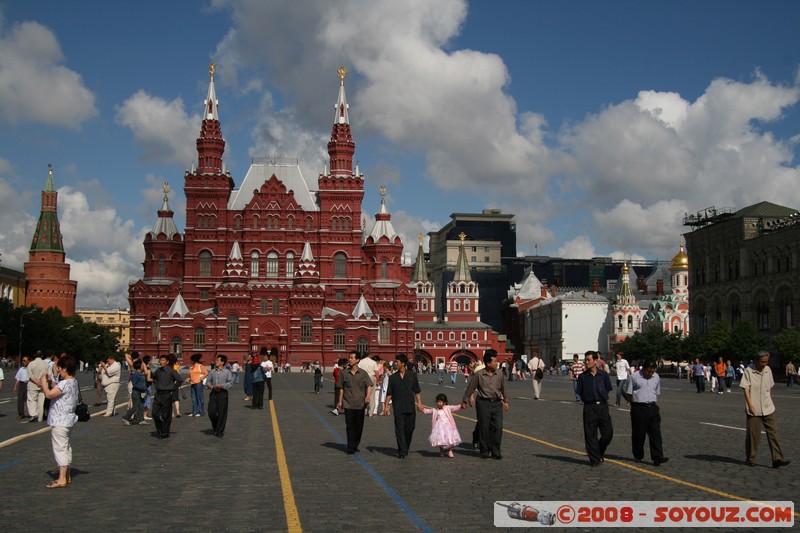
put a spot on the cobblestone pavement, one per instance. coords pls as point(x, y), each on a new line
point(126, 480)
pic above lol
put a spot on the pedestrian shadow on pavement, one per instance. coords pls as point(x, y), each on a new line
point(714, 458)
point(384, 450)
point(564, 458)
point(336, 446)
point(73, 472)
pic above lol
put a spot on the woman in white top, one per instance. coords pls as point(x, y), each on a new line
point(64, 398)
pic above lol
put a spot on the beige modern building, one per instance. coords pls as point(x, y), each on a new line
point(117, 320)
point(745, 266)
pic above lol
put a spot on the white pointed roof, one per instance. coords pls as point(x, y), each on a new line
point(383, 224)
point(362, 308)
point(178, 307)
point(164, 224)
point(211, 103)
point(307, 255)
point(462, 273)
point(340, 116)
point(236, 252)
point(529, 289)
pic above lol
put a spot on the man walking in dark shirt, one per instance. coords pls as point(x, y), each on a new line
point(593, 388)
point(219, 381)
point(404, 392)
point(166, 381)
point(355, 389)
point(490, 388)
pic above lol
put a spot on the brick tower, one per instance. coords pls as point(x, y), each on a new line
point(47, 273)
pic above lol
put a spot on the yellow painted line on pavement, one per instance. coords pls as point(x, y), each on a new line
point(627, 465)
point(289, 506)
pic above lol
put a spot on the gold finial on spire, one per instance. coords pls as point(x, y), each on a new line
point(342, 71)
point(50, 167)
point(212, 68)
point(165, 187)
point(420, 238)
point(462, 236)
point(383, 191)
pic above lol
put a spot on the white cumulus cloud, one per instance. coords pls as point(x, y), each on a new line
point(161, 128)
point(35, 86)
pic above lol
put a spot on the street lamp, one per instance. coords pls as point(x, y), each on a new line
point(21, 326)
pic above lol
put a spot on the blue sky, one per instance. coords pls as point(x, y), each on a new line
point(598, 124)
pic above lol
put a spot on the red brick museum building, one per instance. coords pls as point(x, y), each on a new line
point(274, 264)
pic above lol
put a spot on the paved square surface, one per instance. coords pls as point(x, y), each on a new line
point(126, 480)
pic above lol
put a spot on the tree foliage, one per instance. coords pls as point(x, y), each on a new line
point(51, 332)
point(740, 343)
point(787, 344)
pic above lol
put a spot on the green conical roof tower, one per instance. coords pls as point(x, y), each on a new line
point(47, 237)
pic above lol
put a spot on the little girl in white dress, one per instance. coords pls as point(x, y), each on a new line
point(444, 432)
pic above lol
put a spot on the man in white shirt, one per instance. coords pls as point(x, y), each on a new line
point(370, 366)
point(623, 370)
point(109, 378)
point(535, 364)
point(36, 369)
point(269, 368)
point(642, 390)
point(757, 384)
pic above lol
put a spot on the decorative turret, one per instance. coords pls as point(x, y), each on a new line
point(462, 293)
point(163, 245)
point(47, 272)
point(462, 273)
point(625, 296)
point(339, 189)
point(626, 313)
point(679, 268)
point(165, 223)
point(47, 237)
point(383, 246)
point(235, 271)
point(210, 144)
point(423, 287)
point(383, 223)
point(307, 268)
point(341, 146)
point(420, 273)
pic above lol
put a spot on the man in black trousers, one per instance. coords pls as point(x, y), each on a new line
point(167, 381)
point(489, 386)
point(219, 381)
point(593, 388)
point(355, 390)
point(404, 393)
point(644, 387)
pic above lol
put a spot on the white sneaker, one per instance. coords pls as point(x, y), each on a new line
point(336, 412)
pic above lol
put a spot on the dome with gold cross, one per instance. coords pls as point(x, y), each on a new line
point(680, 261)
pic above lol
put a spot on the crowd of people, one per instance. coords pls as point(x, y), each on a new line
point(367, 386)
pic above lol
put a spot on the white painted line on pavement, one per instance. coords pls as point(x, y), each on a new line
point(728, 427)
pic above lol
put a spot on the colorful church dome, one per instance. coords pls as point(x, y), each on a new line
point(680, 261)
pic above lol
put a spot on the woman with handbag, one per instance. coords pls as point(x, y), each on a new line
point(64, 397)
